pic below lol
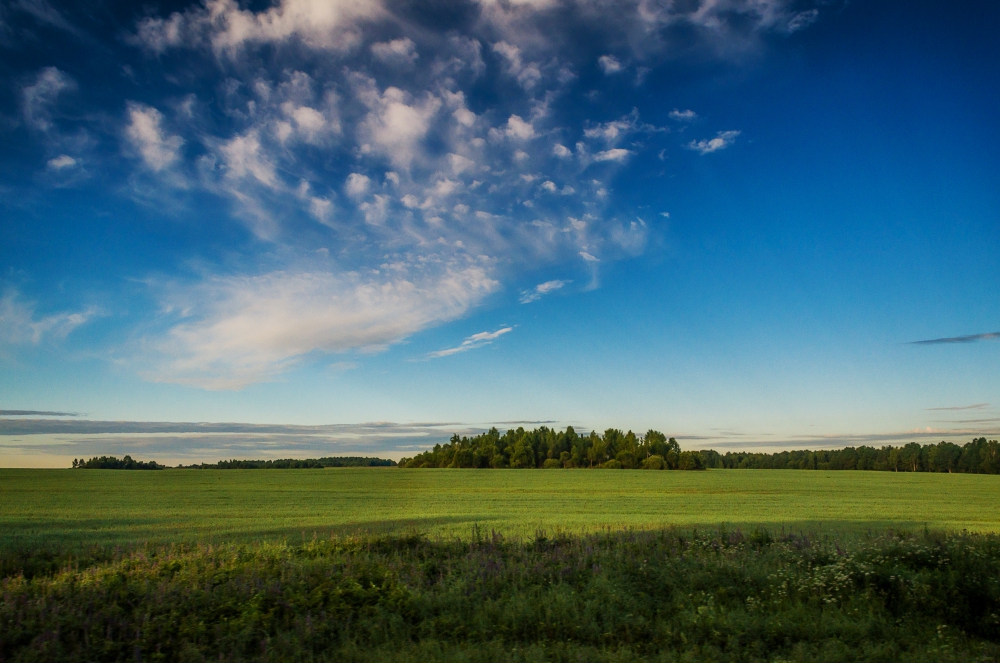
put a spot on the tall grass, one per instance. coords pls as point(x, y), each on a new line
point(670, 595)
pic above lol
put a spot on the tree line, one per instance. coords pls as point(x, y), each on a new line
point(112, 463)
point(293, 464)
point(976, 457)
point(547, 448)
point(129, 463)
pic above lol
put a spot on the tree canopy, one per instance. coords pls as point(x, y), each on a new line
point(547, 448)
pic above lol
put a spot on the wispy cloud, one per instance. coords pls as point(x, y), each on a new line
point(471, 343)
point(236, 331)
point(683, 115)
point(38, 98)
point(36, 413)
point(972, 338)
point(542, 289)
point(721, 141)
point(20, 326)
point(976, 406)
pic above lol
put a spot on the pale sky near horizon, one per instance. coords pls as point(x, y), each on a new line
point(746, 223)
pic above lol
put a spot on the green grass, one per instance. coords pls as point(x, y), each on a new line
point(409, 565)
point(57, 508)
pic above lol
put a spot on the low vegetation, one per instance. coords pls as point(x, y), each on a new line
point(667, 595)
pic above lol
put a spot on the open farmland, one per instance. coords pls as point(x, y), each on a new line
point(57, 508)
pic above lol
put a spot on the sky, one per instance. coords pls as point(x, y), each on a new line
point(312, 227)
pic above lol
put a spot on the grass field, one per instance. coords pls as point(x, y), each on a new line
point(63, 507)
point(253, 565)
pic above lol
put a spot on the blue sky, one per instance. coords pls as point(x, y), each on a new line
point(727, 220)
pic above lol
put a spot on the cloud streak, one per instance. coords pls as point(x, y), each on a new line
point(972, 338)
point(36, 413)
point(721, 141)
point(542, 289)
point(471, 343)
point(976, 406)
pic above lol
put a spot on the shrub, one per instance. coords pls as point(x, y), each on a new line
point(551, 464)
point(654, 462)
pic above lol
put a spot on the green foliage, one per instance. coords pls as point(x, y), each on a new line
point(547, 448)
point(112, 463)
point(667, 595)
point(976, 457)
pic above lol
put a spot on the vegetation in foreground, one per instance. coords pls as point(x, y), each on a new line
point(664, 595)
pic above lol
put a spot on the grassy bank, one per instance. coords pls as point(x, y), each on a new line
point(670, 595)
point(42, 509)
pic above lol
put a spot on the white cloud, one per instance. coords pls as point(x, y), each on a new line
point(244, 157)
point(145, 132)
point(609, 64)
point(62, 161)
point(460, 164)
point(248, 329)
point(527, 74)
point(518, 128)
point(310, 122)
point(616, 154)
point(38, 98)
point(396, 126)
point(357, 185)
point(397, 52)
point(683, 115)
point(540, 290)
point(20, 326)
point(723, 140)
point(323, 24)
point(471, 343)
point(432, 181)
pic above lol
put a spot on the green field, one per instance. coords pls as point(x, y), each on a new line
point(84, 507)
point(253, 565)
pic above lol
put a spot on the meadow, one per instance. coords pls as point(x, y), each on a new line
point(426, 565)
point(57, 508)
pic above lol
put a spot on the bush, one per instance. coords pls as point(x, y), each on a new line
point(612, 464)
point(551, 464)
point(654, 462)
